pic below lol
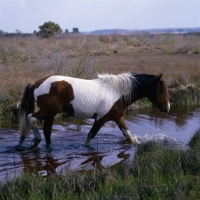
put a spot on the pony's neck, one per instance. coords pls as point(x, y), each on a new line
point(141, 86)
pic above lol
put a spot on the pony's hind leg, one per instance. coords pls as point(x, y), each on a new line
point(122, 126)
point(48, 122)
point(37, 137)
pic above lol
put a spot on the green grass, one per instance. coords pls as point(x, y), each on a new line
point(186, 96)
point(9, 116)
point(160, 170)
point(195, 140)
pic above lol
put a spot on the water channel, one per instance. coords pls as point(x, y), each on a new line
point(68, 151)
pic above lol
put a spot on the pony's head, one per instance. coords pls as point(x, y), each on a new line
point(158, 94)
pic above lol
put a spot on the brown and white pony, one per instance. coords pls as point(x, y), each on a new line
point(105, 98)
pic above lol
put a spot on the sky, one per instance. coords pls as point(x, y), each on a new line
point(89, 15)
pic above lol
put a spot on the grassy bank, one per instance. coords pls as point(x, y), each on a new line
point(160, 170)
point(25, 60)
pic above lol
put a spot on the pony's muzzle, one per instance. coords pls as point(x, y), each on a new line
point(164, 110)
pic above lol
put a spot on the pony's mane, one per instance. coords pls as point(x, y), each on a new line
point(121, 83)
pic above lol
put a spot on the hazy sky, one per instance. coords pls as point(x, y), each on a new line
point(89, 15)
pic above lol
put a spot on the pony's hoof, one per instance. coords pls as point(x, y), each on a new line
point(48, 146)
point(31, 148)
point(34, 144)
point(87, 143)
point(131, 140)
point(20, 141)
point(18, 148)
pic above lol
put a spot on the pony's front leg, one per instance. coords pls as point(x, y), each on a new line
point(37, 137)
point(122, 126)
point(95, 128)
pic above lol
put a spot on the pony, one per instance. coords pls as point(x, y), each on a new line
point(103, 99)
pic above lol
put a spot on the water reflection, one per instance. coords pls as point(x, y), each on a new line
point(48, 163)
point(44, 163)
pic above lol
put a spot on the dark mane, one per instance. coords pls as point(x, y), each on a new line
point(141, 83)
point(144, 78)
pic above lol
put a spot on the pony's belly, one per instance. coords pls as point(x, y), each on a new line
point(89, 113)
point(84, 110)
point(95, 109)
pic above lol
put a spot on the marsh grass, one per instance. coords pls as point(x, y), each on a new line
point(57, 55)
point(184, 96)
point(25, 60)
point(10, 116)
point(160, 170)
point(85, 68)
point(195, 140)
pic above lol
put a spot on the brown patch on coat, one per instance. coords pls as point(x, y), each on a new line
point(58, 99)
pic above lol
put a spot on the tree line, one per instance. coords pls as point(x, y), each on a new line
point(47, 30)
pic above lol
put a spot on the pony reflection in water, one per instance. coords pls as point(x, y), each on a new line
point(103, 99)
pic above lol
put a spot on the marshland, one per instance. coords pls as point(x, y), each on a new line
point(164, 165)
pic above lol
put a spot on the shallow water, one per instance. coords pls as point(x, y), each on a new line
point(69, 153)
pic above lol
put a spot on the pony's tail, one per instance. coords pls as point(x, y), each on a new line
point(27, 106)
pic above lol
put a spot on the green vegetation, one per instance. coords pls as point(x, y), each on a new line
point(160, 170)
point(10, 116)
point(48, 29)
point(185, 96)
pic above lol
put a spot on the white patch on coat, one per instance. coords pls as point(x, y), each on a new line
point(91, 96)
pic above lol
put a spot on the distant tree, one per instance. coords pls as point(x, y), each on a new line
point(18, 32)
point(75, 30)
point(1, 32)
point(66, 31)
point(48, 29)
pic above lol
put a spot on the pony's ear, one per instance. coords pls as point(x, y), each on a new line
point(162, 83)
point(160, 77)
